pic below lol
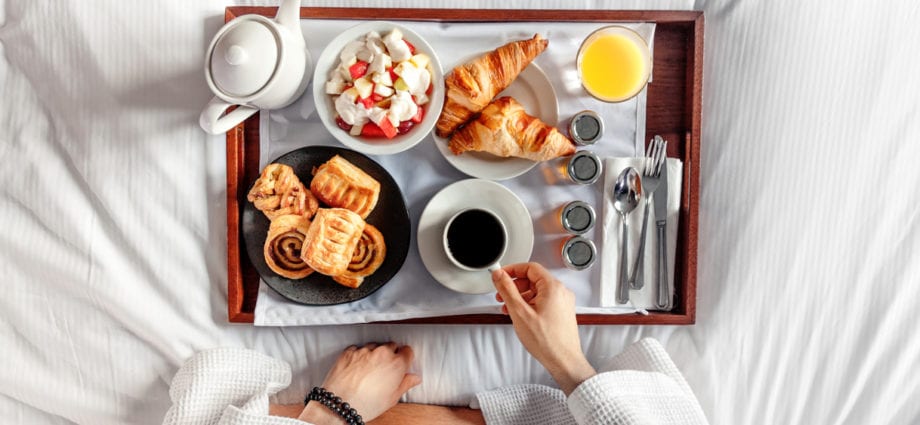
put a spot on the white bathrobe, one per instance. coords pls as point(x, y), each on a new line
point(641, 385)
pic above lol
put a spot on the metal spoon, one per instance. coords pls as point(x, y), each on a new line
point(626, 194)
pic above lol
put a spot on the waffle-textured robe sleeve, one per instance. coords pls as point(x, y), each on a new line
point(639, 386)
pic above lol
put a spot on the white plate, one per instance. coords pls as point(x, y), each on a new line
point(459, 196)
point(533, 90)
point(324, 103)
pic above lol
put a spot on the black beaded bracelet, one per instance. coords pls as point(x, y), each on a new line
point(335, 404)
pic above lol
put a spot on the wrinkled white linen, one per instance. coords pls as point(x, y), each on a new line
point(113, 209)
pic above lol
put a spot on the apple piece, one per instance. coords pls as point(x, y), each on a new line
point(400, 84)
point(420, 60)
point(335, 87)
point(364, 87)
point(383, 90)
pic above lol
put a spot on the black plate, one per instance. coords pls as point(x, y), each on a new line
point(389, 216)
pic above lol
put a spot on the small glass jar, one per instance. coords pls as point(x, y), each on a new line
point(576, 217)
point(586, 128)
point(584, 167)
point(578, 253)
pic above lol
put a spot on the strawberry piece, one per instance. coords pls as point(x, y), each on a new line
point(417, 118)
point(411, 47)
point(358, 69)
point(376, 97)
point(388, 129)
point(368, 102)
point(372, 130)
point(393, 75)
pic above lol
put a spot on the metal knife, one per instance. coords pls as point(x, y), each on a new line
point(661, 222)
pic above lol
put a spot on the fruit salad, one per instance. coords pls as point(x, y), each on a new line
point(380, 86)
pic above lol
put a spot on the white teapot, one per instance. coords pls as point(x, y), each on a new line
point(255, 63)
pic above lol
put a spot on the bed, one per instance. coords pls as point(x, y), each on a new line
point(114, 245)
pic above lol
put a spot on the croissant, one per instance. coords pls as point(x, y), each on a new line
point(279, 192)
point(368, 257)
point(283, 246)
point(471, 86)
point(504, 129)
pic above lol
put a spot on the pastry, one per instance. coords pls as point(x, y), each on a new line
point(367, 258)
point(331, 240)
point(340, 184)
point(471, 86)
point(279, 192)
point(283, 246)
point(505, 129)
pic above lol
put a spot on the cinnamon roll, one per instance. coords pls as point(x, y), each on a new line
point(284, 244)
point(368, 256)
point(279, 192)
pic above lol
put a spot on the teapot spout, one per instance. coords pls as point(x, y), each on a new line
point(289, 16)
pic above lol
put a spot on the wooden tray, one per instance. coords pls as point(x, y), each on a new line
point(673, 111)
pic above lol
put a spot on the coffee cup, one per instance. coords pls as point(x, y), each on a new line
point(475, 239)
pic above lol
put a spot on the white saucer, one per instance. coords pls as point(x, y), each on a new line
point(459, 196)
point(533, 90)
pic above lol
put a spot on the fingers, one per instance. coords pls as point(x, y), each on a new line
point(532, 271)
point(524, 286)
point(409, 381)
point(350, 348)
point(520, 270)
point(508, 291)
point(406, 353)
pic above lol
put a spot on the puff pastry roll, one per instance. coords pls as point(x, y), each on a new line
point(505, 129)
point(279, 192)
point(331, 240)
point(341, 184)
point(367, 258)
point(284, 244)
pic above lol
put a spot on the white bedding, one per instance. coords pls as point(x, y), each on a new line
point(113, 210)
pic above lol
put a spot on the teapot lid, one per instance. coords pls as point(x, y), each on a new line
point(244, 58)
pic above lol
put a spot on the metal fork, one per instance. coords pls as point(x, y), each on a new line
point(651, 173)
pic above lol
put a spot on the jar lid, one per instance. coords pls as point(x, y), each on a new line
point(584, 167)
point(578, 253)
point(578, 217)
point(243, 58)
point(586, 128)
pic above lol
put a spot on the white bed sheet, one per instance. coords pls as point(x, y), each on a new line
point(113, 213)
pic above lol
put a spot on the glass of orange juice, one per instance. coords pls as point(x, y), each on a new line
point(614, 63)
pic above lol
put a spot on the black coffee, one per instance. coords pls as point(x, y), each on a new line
point(475, 238)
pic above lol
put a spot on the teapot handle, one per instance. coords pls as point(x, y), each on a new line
point(214, 121)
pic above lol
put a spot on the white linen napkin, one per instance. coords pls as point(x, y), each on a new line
point(612, 235)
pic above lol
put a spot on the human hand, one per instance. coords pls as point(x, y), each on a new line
point(371, 379)
point(542, 311)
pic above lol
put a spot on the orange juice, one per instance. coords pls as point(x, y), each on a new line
point(614, 64)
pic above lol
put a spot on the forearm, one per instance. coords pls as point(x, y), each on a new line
point(402, 414)
point(571, 372)
point(313, 413)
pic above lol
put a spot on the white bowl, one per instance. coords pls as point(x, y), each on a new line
point(324, 102)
